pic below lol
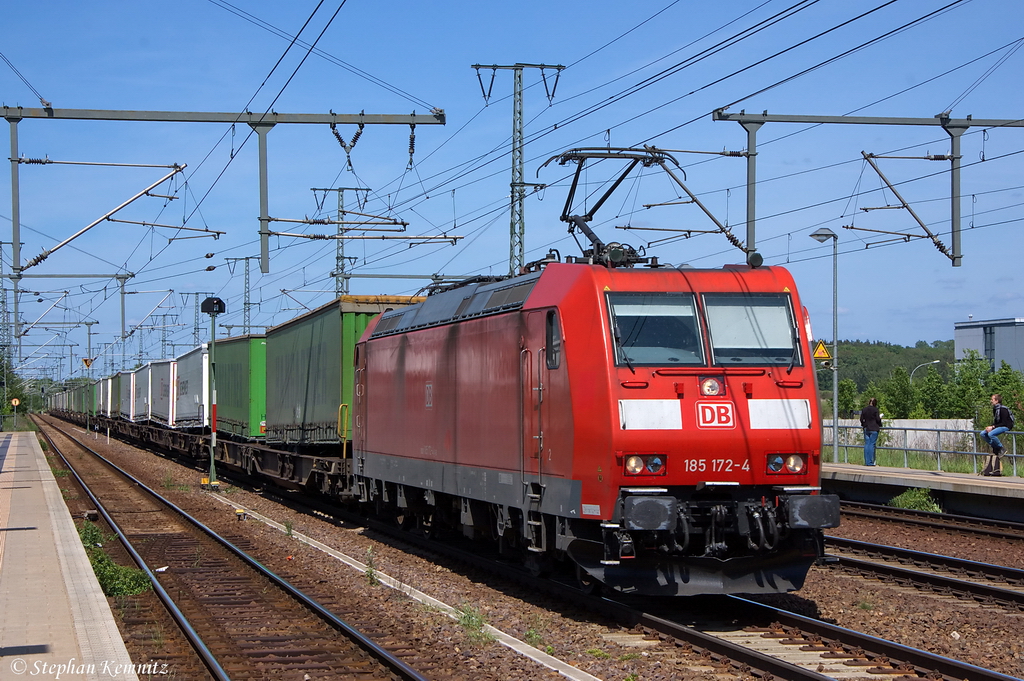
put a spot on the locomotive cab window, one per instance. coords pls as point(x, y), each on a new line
point(750, 328)
point(655, 329)
point(553, 342)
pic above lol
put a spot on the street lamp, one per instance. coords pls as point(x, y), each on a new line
point(934, 361)
point(821, 236)
point(213, 307)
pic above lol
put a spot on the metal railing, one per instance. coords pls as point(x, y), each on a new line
point(937, 449)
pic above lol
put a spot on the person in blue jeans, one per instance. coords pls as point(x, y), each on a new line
point(1002, 421)
point(871, 420)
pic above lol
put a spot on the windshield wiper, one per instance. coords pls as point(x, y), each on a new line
point(618, 344)
point(796, 349)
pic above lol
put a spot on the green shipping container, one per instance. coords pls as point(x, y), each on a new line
point(241, 380)
point(311, 373)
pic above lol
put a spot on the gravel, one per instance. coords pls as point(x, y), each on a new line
point(985, 636)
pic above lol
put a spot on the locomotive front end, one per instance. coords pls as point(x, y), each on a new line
point(712, 478)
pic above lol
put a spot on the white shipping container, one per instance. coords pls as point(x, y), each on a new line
point(192, 385)
point(141, 394)
point(127, 395)
point(162, 390)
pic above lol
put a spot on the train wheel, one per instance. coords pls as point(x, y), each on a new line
point(586, 582)
point(536, 565)
point(402, 518)
point(427, 525)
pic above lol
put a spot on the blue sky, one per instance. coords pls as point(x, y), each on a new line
point(641, 73)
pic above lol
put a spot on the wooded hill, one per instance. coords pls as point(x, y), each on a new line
point(865, 362)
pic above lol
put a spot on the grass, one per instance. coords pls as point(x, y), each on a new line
point(967, 463)
point(114, 579)
point(473, 622)
point(169, 483)
point(371, 568)
point(916, 499)
point(598, 653)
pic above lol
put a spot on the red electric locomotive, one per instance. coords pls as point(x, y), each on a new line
point(658, 426)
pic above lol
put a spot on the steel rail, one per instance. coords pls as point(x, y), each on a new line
point(983, 593)
point(989, 571)
point(632, 615)
point(179, 618)
point(921, 659)
point(396, 665)
point(624, 613)
point(993, 528)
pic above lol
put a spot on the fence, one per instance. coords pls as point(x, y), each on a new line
point(950, 445)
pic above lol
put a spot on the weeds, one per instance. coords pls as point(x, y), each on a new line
point(473, 622)
point(533, 638)
point(60, 472)
point(158, 636)
point(288, 525)
point(371, 568)
point(916, 499)
point(114, 579)
point(599, 654)
point(169, 484)
point(865, 605)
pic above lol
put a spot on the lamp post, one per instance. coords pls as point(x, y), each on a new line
point(821, 236)
point(213, 307)
point(934, 361)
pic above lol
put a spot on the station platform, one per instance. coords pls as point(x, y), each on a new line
point(55, 621)
point(999, 498)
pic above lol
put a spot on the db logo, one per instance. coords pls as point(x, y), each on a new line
point(715, 415)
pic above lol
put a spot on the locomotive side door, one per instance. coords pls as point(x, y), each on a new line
point(359, 410)
point(540, 353)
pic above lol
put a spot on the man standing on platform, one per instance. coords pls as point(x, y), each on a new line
point(871, 420)
point(1002, 421)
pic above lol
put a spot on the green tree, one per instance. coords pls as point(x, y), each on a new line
point(968, 391)
point(897, 399)
point(1009, 384)
point(847, 397)
point(933, 396)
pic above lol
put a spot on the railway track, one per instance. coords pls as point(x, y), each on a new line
point(746, 637)
point(985, 583)
point(243, 620)
point(942, 521)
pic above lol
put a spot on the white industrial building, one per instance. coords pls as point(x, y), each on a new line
point(997, 340)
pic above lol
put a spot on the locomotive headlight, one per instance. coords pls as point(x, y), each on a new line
point(634, 465)
point(795, 463)
point(712, 387)
point(655, 464)
point(775, 463)
point(646, 464)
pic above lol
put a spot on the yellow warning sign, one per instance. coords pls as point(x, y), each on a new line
point(820, 351)
point(87, 362)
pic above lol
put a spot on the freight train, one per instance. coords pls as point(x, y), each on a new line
point(656, 429)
